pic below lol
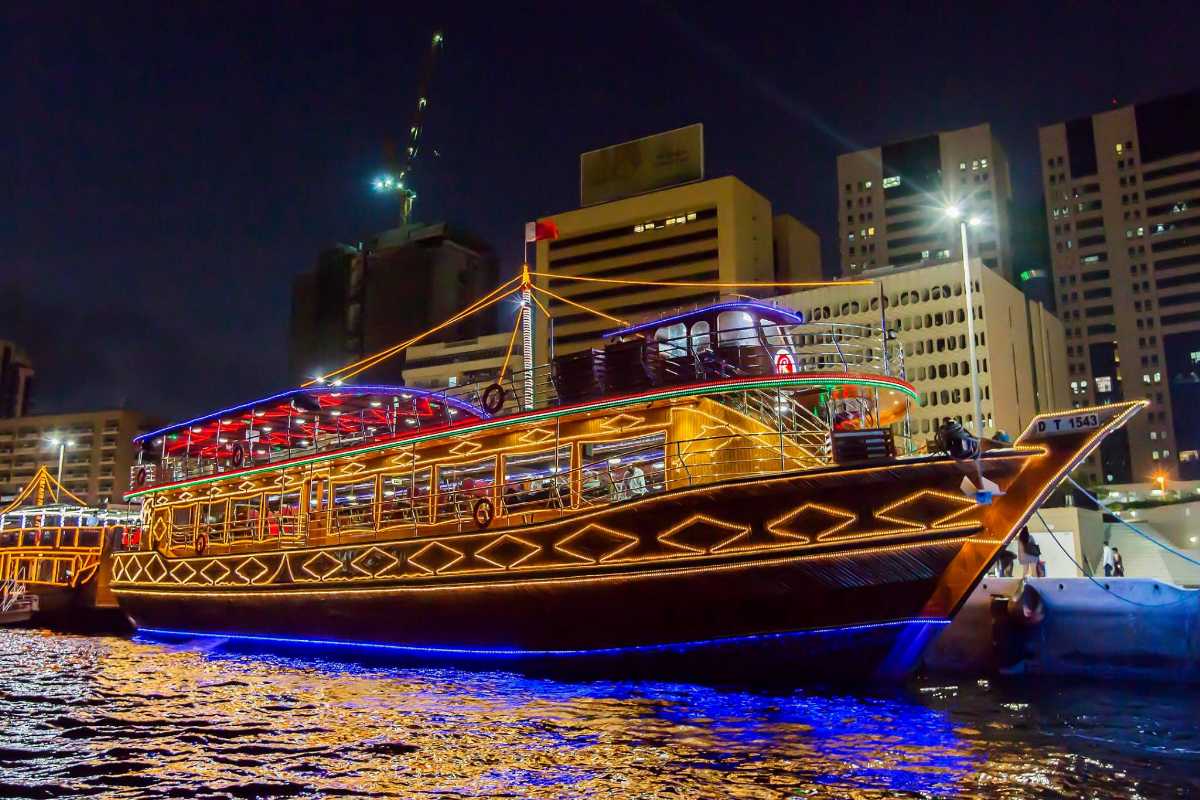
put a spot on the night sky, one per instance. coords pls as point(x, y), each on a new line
point(168, 167)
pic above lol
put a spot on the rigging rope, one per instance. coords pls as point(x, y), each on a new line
point(705, 284)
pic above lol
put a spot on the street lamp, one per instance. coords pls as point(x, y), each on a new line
point(955, 213)
point(62, 445)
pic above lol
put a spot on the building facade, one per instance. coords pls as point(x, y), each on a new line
point(712, 231)
point(360, 300)
point(1122, 194)
point(16, 381)
point(892, 201)
point(479, 360)
point(1021, 352)
point(96, 462)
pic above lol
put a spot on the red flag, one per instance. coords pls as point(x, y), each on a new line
point(537, 231)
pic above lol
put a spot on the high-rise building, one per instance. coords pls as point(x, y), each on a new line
point(717, 230)
point(1122, 194)
point(1020, 355)
point(360, 300)
point(892, 201)
point(16, 381)
point(478, 360)
point(97, 459)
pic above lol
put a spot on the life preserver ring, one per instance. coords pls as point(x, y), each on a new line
point(140, 476)
point(238, 457)
point(483, 512)
point(201, 544)
point(493, 398)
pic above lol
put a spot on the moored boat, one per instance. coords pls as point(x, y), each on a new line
point(54, 555)
point(728, 489)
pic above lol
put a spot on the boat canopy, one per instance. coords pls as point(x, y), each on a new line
point(296, 419)
point(733, 310)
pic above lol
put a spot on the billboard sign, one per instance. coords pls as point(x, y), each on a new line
point(643, 165)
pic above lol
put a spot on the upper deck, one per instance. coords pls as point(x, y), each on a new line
point(732, 346)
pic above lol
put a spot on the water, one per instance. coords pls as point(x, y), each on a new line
point(110, 717)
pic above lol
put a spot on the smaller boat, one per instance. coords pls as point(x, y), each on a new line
point(54, 553)
point(15, 604)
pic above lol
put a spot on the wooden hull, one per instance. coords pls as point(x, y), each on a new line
point(842, 572)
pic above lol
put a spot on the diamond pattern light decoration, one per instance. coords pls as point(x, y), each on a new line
point(702, 534)
point(811, 522)
point(621, 421)
point(155, 569)
point(536, 436)
point(595, 543)
point(927, 509)
point(374, 562)
point(436, 557)
point(214, 572)
point(352, 468)
point(183, 572)
point(321, 566)
point(251, 570)
point(507, 552)
point(466, 447)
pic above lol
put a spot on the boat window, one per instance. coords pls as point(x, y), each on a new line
point(736, 328)
point(405, 499)
point(624, 469)
point(354, 506)
point(672, 340)
point(183, 521)
point(212, 521)
point(461, 485)
point(534, 481)
point(243, 518)
point(701, 336)
point(774, 334)
point(283, 516)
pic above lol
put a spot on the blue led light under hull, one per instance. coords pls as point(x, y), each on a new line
point(501, 653)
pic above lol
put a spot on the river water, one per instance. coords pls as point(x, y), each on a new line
point(111, 717)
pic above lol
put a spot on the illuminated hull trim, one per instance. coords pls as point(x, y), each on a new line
point(455, 652)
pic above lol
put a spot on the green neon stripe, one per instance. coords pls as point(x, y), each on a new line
point(537, 417)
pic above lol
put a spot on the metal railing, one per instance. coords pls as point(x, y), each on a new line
point(821, 348)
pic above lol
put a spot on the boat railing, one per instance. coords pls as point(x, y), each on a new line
point(525, 493)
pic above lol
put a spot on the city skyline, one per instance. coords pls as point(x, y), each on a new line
point(201, 192)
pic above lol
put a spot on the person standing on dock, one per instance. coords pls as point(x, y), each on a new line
point(1028, 553)
point(1118, 564)
point(1108, 560)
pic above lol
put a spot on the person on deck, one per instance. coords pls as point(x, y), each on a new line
point(1118, 564)
point(1108, 560)
point(637, 481)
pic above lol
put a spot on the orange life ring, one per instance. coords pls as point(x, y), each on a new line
point(201, 544)
point(140, 476)
point(239, 456)
point(483, 512)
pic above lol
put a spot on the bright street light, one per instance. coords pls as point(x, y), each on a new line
point(956, 213)
point(62, 445)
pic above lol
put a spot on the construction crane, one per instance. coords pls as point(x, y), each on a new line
point(395, 180)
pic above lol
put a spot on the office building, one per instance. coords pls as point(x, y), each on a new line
point(1122, 192)
point(717, 230)
point(16, 381)
point(438, 365)
point(360, 300)
point(96, 462)
point(892, 201)
point(1021, 352)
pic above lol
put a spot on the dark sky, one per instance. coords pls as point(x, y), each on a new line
point(167, 167)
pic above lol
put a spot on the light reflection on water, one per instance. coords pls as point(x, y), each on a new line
point(137, 719)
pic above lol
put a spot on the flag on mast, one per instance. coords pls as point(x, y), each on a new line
point(537, 231)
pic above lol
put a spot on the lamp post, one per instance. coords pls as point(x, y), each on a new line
point(62, 445)
point(969, 297)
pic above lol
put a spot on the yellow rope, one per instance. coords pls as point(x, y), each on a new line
point(800, 284)
point(597, 312)
point(375, 358)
